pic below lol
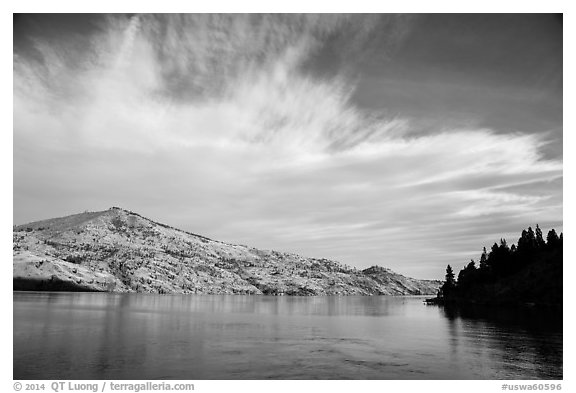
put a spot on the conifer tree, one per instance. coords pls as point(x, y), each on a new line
point(503, 271)
point(450, 282)
point(531, 239)
point(484, 259)
point(552, 239)
point(540, 243)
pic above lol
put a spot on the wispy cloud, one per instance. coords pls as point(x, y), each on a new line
point(219, 124)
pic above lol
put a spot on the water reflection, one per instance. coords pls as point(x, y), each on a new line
point(271, 305)
point(530, 339)
point(136, 336)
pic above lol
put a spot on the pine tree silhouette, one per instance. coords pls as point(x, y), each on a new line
point(529, 272)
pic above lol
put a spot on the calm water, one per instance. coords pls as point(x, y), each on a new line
point(136, 336)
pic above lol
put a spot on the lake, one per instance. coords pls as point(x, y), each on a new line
point(60, 335)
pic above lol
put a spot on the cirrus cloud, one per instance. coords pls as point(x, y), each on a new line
point(219, 124)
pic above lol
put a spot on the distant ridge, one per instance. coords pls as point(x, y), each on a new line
point(118, 250)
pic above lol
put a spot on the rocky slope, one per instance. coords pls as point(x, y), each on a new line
point(121, 251)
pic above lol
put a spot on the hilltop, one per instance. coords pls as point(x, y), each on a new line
point(118, 250)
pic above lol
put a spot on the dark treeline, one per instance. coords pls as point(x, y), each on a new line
point(529, 273)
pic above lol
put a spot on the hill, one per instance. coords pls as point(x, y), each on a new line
point(120, 251)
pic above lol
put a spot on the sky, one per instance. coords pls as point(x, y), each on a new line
point(406, 141)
